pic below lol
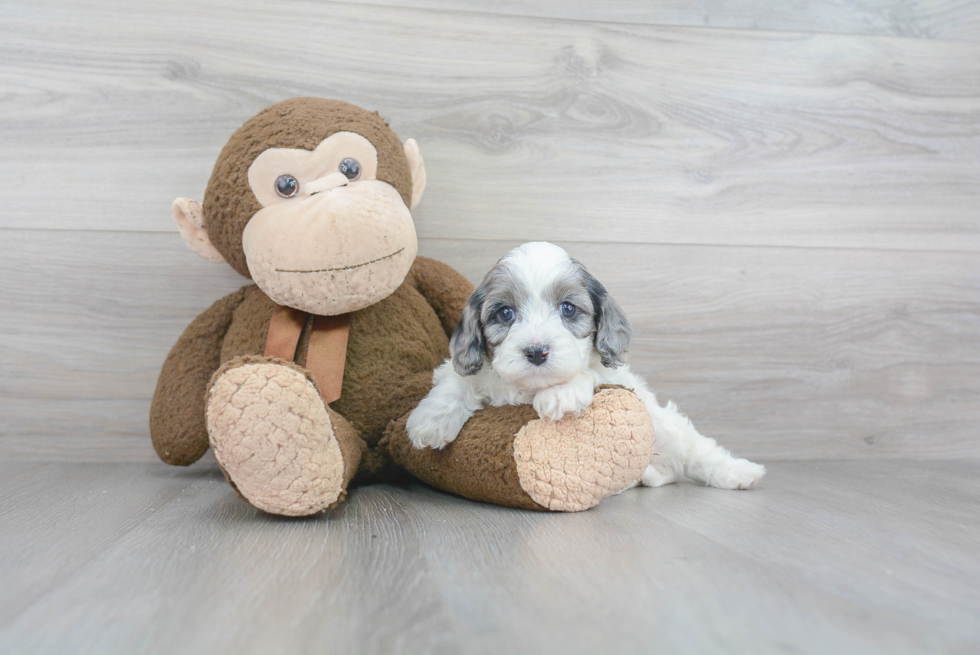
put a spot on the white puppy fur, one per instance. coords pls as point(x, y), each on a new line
point(551, 334)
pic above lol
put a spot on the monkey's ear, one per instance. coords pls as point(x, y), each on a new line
point(417, 167)
point(189, 216)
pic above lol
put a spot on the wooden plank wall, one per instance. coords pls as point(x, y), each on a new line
point(785, 201)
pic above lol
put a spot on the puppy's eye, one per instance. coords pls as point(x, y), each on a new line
point(568, 309)
point(287, 186)
point(505, 314)
point(351, 168)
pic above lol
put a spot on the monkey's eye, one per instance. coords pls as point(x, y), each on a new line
point(351, 168)
point(287, 186)
point(568, 309)
point(505, 314)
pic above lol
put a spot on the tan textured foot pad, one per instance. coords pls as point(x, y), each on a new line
point(572, 464)
point(273, 437)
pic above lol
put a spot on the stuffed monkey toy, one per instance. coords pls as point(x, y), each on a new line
point(302, 381)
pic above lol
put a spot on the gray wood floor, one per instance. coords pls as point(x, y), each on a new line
point(824, 557)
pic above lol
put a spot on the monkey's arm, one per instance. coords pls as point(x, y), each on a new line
point(446, 290)
point(508, 456)
point(177, 424)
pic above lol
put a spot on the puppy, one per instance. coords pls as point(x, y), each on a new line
point(551, 333)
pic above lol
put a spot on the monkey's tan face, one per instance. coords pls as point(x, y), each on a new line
point(330, 238)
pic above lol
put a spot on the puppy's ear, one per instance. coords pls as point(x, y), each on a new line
point(467, 343)
point(613, 332)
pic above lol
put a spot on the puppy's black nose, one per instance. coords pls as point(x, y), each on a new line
point(536, 354)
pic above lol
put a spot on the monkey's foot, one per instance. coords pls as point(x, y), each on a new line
point(572, 464)
point(274, 437)
point(508, 456)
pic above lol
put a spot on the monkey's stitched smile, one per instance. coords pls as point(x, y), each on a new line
point(340, 268)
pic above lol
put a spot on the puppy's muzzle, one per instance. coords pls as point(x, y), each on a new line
point(536, 354)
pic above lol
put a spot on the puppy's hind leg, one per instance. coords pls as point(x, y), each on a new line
point(667, 464)
point(682, 449)
point(703, 459)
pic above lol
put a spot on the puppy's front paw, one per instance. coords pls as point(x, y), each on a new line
point(427, 429)
point(736, 474)
point(555, 402)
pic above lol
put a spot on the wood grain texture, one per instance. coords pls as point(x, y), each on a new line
point(869, 557)
point(925, 19)
point(530, 128)
point(779, 353)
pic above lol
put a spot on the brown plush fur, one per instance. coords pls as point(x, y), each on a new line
point(295, 123)
point(392, 349)
point(478, 465)
point(177, 411)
